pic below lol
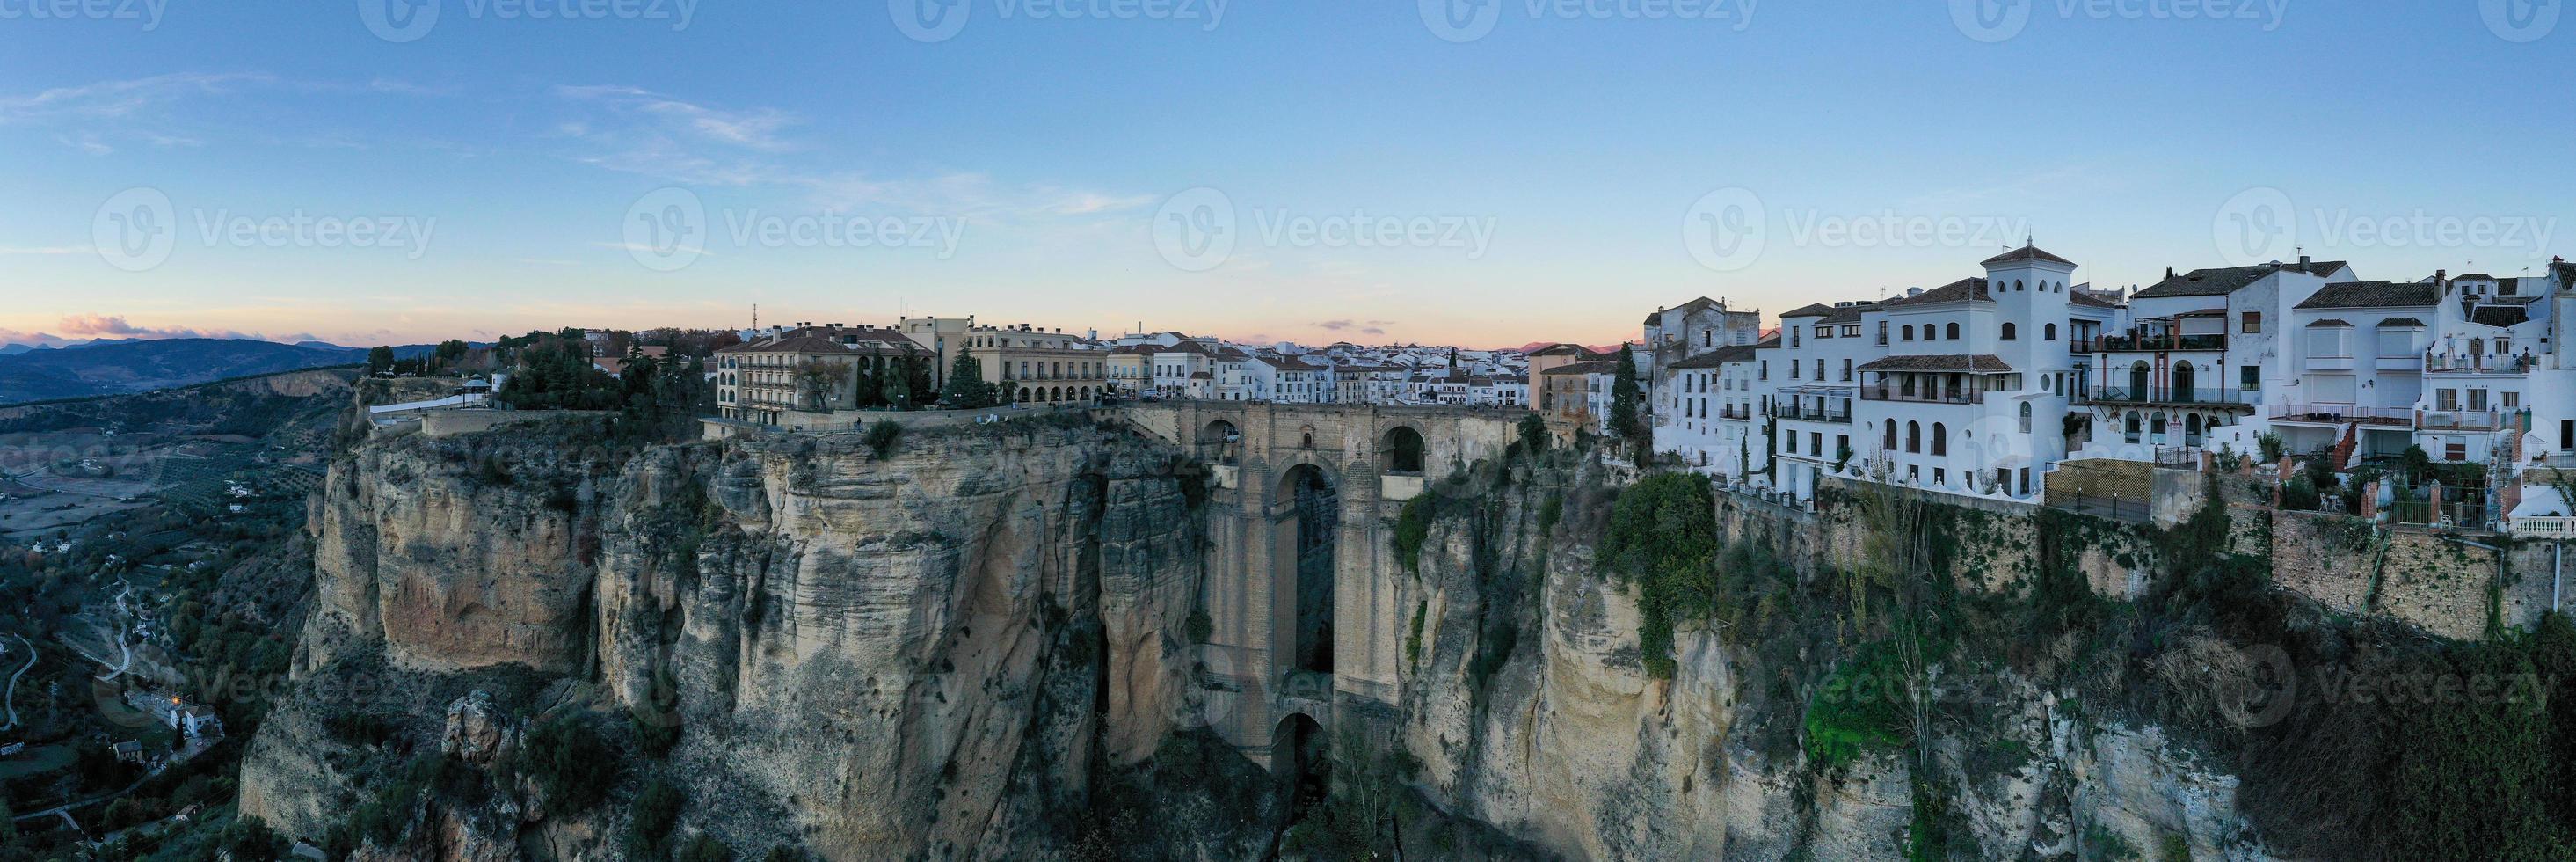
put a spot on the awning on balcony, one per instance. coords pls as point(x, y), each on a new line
point(1980, 363)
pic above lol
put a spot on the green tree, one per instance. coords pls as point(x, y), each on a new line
point(1533, 434)
point(1625, 423)
point(380, 359)
point(966, 387)
point(818, 380)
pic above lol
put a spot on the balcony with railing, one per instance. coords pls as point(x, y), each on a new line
point(2436, 362)
point(1927, 395)
point(2459, 420)
point(1737, 412)
point(2340, 414)
point(2218, 396)
point(2135, 341)
point(1812, 412)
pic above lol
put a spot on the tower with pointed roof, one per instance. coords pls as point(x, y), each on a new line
point(2030, 287)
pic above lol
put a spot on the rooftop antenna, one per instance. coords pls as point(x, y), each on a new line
point(755, 317)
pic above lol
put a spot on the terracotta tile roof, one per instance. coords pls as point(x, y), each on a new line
point(2225, 280)
point(1968, 289)
point(2376, 294)
point(823, 340)
point(2401, 323)
point(1592, 367)
point(2027, 252)
point(1981, 363)
point(1718, 357)
point(2500, 315)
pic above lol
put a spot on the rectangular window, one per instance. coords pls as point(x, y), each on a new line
point(2253, 322)
point(1847, 369)
point(2477, 399)
point(1816, 443)
point(2250, 378)
point(2446, 399)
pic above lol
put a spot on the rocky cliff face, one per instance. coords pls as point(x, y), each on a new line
point(969, 646)
point(919, 652)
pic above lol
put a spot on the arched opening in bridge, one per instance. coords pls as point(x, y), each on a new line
point(1219, 442)
point(1404, 448)
point(1300, 756)
point(1305, 561)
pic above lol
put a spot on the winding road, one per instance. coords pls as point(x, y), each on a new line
point(10, 704)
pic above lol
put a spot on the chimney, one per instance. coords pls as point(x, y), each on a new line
point(2169, 273)
point(2304, 260)
point(2442, 276)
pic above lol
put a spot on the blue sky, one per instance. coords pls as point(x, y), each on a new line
point(1532, 181)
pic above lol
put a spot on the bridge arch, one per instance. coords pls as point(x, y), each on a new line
point(1402, 451)
point(1306, 510)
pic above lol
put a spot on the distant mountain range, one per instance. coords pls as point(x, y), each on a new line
point(116, 366)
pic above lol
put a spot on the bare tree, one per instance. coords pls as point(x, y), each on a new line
point(817, 381)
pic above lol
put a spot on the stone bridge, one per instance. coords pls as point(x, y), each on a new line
point(1303, 500)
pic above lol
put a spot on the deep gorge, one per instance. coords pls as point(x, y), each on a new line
point(992, 642)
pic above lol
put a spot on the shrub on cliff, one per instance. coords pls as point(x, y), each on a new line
point(881, 437)
point(572, 765)
point(1663, 537)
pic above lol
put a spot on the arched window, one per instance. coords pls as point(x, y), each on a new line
point(2052, 332)
point(2182, 382)
point(2156, 425)
point(1913, 436)
point(2129, 430)
point(2009, 332)
point(2025, 417)
point(2016, 285)
point(2138, 380)
point(1951, 332)
point(1890, 443)
point(1907, 332)
point(1940, 439)
point(2191, 427)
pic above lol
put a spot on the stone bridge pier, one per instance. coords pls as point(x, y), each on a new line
point(1301, 585)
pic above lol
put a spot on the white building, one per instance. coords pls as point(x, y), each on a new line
point(2196, 354)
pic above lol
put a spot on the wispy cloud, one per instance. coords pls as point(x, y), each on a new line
point(46, 250)
point(638, 131)
point(114, 99)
